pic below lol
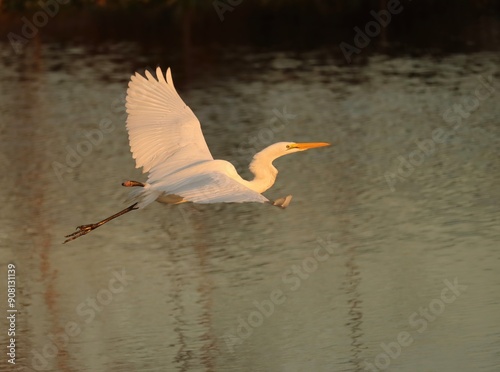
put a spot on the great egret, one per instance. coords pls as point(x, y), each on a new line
point(166, 141)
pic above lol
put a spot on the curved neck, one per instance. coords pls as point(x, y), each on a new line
point(264, 171)
point(265, 175)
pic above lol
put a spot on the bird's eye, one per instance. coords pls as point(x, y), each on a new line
point(288, 147)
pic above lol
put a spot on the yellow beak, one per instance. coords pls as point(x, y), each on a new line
point(310, 145)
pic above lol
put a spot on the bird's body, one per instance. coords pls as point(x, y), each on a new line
point(213, 181)
point(167, 142)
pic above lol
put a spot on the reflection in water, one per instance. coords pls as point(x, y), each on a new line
point(352, 282)
point(355, 313)
point(197, 269)
point(185, 358)
point(205, 288)
point(34, 178)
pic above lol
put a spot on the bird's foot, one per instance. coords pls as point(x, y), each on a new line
point(283, 202)
point(132, 184)
point(80, 231)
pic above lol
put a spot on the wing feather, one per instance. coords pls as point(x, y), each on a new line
point(212, 187)
point(161, 128)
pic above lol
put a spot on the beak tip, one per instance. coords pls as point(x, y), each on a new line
point(312, 145)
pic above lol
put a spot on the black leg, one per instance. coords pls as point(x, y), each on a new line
point(85, 229)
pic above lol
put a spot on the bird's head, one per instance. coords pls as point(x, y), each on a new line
point(280, 149)
point(262, 163)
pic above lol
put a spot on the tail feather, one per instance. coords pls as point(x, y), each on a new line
point(143, 196)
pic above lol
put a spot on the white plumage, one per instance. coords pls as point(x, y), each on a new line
point(166, 140)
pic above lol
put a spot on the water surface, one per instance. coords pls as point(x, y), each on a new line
point(387, 257)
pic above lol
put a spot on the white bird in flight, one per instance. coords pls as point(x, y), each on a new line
point(167, 142)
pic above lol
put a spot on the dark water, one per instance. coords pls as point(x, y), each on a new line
point(387, 257)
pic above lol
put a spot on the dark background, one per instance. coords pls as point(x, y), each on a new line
point(424, 26)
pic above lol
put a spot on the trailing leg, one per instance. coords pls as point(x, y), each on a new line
point(85, 229)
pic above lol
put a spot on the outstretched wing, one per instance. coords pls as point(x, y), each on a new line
point(161, 128)
point(166, 140)
point(209, 187)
